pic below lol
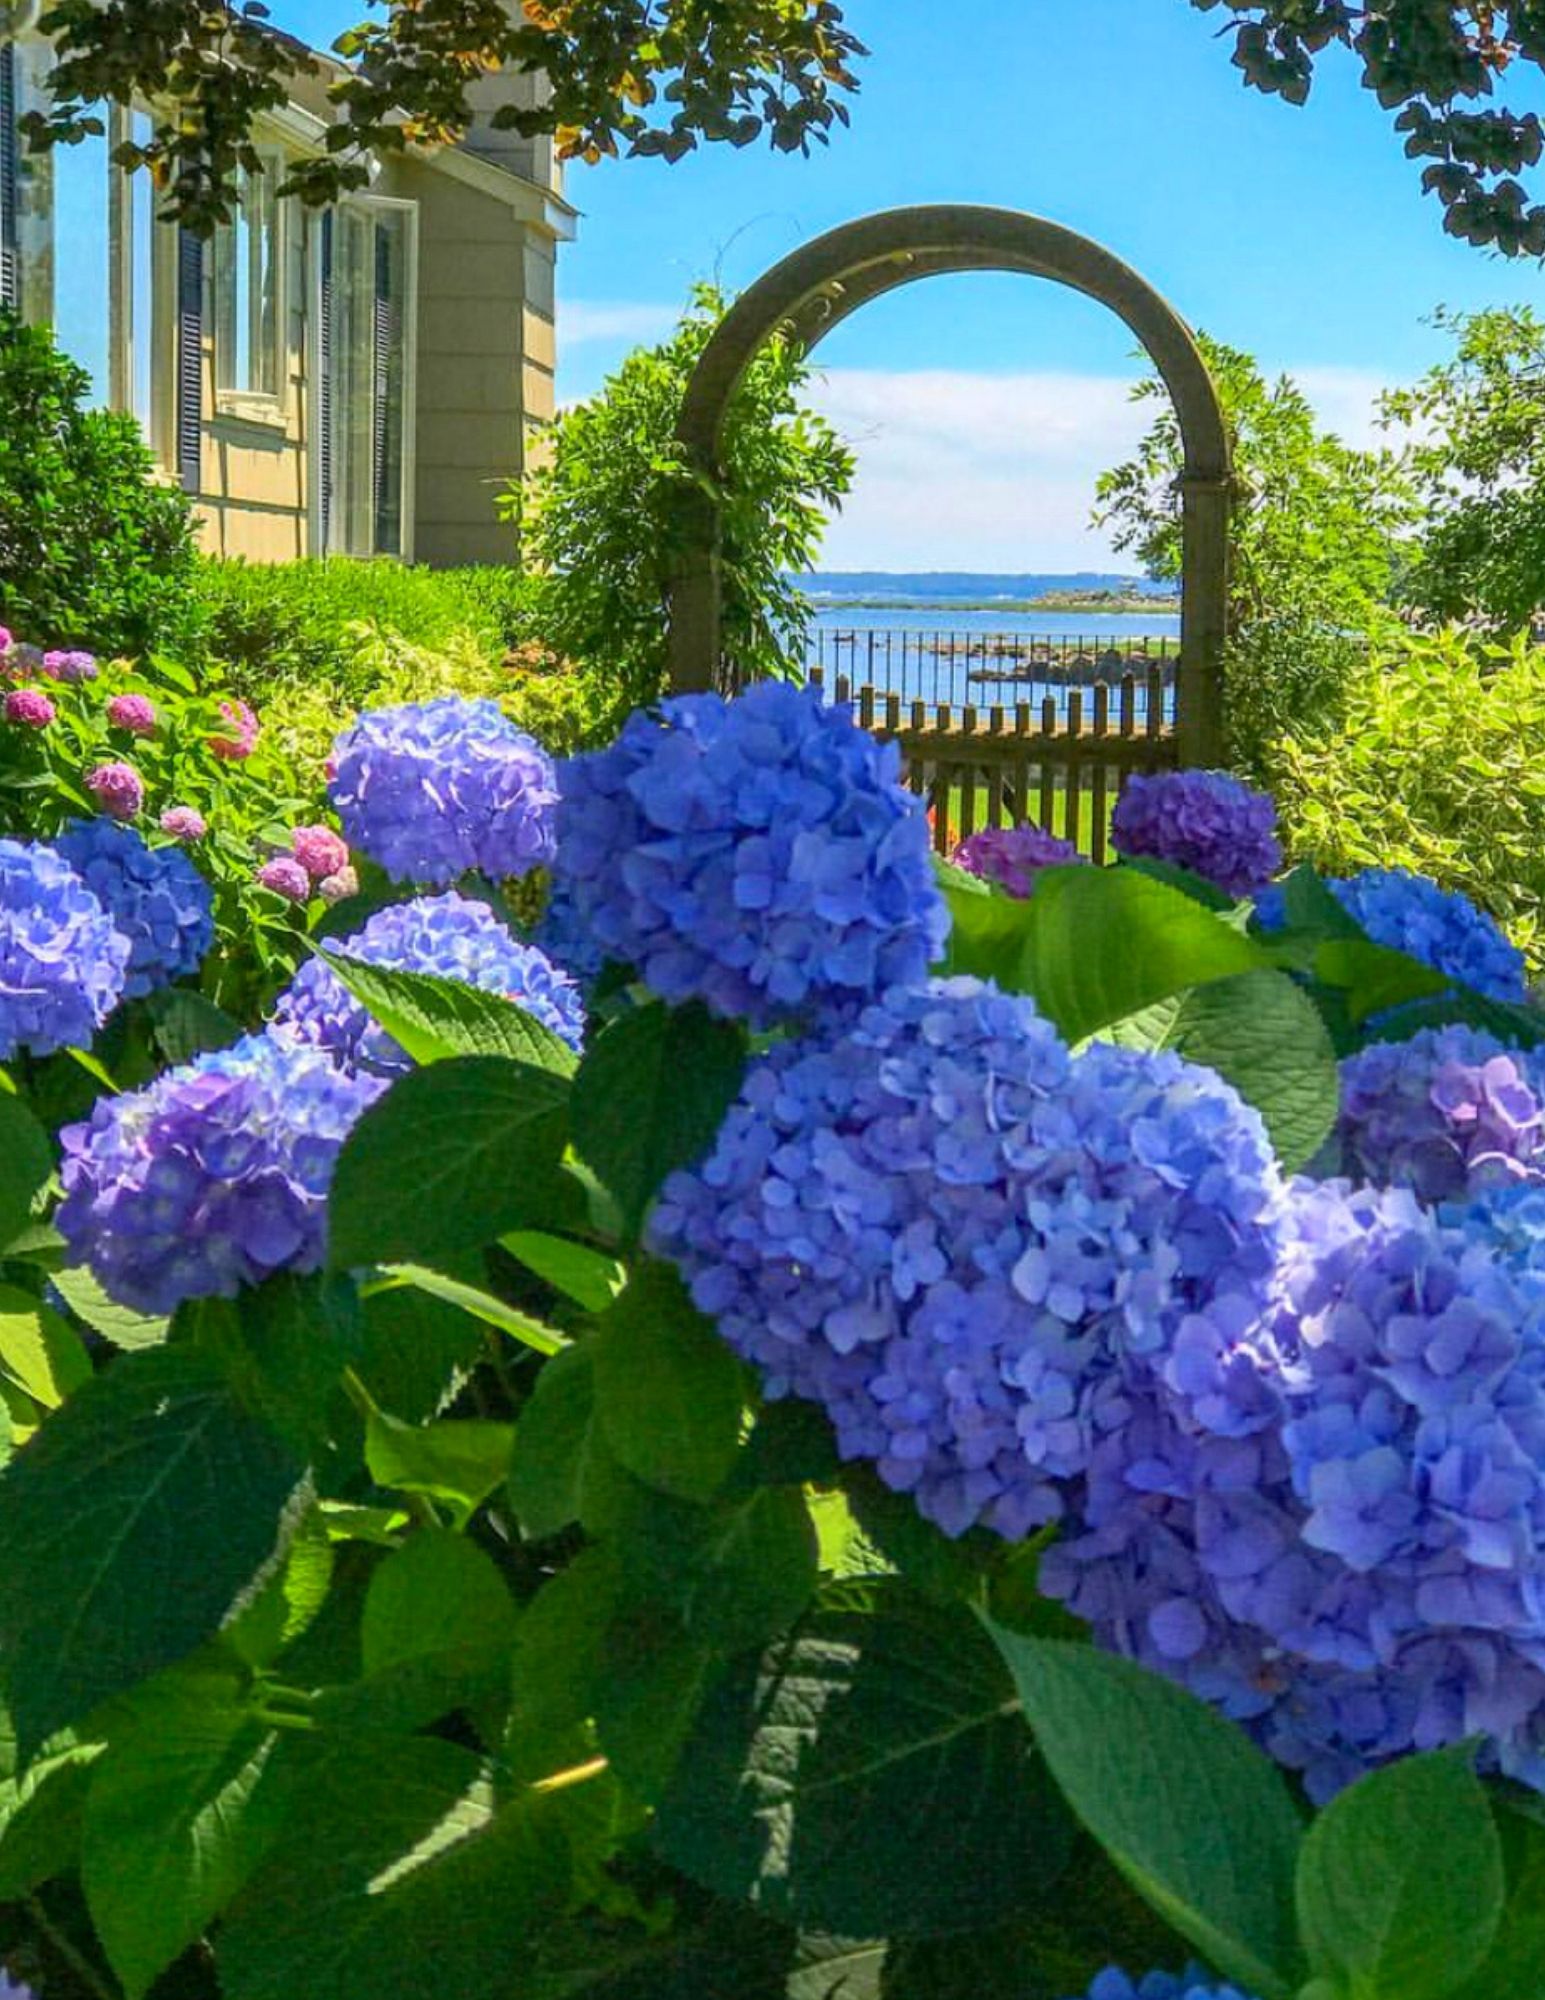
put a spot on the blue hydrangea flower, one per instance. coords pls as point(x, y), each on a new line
point(434, 790)
point(1449, 1112)
point(63, 961)
point(961, 1241)
point(1365, 1575)
point(449, 935)
point(1205, 821)
point(1192, 1984)
point(1440, 927)
point(760, 855)
point(562, 934)
point(155, 896)
point(213, 1177)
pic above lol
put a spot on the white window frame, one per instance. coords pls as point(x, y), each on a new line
point(257, 406)
point(163, 284)
point(370, 204)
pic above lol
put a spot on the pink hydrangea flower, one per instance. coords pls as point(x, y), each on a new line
point(242, 741)
point(73, 667)
point(184, 823)
point(338, 888)
point(319, 850)
point(134, 712)
point(29, 706)
point(7, 639)
point(118, 789)
point(286, 877)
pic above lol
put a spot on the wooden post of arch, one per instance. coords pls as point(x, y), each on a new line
point(815, 289)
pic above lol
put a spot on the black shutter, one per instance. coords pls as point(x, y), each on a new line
point(190, 360)
point(385, 468)
point(324, 391)
point(10, 176)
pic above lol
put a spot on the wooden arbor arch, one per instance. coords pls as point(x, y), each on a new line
point(821, 284)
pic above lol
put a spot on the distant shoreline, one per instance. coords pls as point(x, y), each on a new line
point(943, 609)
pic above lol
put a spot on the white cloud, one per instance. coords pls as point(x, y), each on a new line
point(629, 322)
point(997, 472)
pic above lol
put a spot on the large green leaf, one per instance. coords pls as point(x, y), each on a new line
point(1515, 1967)
point(176, 1819)
point(133, 1524)
point(1262, 1034)
point(40, 1352)
point(26, 1161)
point(590, 1278)
point(668, 1390)
point(417, 1350)
point(1102, 943)
point(451, 1158)
point(186, 1024)
point(117, 1324)
point(869, 1774)
point(403, 1879)
point(551, 1438)
point(40, 1809)
point(1400, 1884)
point(458, 1460)
point(434, 1018)
point(285, 1345)
point(1185, 1805)
point(439, 1596)
point(651, 1095)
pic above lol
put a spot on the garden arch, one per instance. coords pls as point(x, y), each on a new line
point(825, 281)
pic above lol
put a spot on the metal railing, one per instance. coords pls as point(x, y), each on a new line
point(955, 668)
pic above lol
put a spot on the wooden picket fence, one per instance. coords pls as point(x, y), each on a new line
point(1060, 765)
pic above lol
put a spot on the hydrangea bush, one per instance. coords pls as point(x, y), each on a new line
point(923, 1438)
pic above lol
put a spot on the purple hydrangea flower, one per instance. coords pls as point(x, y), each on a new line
point(962, 1241)
point(286, 877)
point(319, 850)
point(760, 855)
point(71, 667)
point(155, 896)
point(1206, 821)
point(213, 1177)
point(1012, 856)
point(1449, 1112)
point(438, 789)
point(134, 712)
point(1440, 927)
point(184, 823)
point(448, 935)
point(1364, 1575)
point(118, 789)
point(63, 961)
point(1192, 1984)
point(30, 707)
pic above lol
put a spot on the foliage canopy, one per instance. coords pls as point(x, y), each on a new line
point(599, 520)
point(645, 76)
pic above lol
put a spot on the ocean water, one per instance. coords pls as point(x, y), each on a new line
point(940, 653)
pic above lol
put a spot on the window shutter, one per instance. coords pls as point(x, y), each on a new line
point(190, 360)
point(384, 474)
point(324, 390)
point(10, 175)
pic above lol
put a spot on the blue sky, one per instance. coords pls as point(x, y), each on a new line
point(982, 407)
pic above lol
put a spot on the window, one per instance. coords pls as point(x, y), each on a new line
point(366, 374)
point(93, 260)
point(249, 290)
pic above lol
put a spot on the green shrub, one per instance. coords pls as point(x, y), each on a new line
point(321, 622)
point(93, 551)
point(1285, 676)
point(601, 518)
point(1439, 766)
